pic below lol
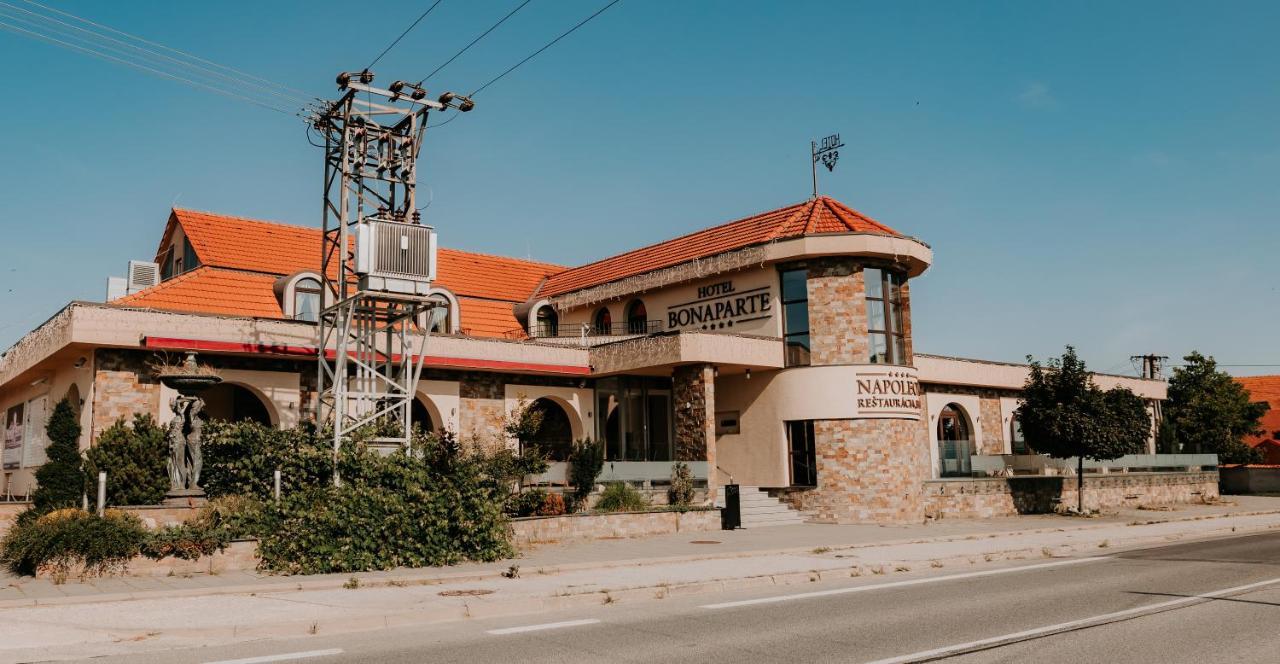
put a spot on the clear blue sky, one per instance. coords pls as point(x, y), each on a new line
point(1096, 173)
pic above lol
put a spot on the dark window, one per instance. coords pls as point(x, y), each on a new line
point(603, 323)
point(955, 442)
point(634, 418)
point(637, 318)
point(166, 264)
point(804, 458)
point(548, 324)
point(885, 327)
point(306, 299)
point(189, 259)
point(420, 417)
point(554, 436)
point(795, 316)
point(1017, 444)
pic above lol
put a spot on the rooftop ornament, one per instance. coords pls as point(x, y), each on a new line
point(184, 435)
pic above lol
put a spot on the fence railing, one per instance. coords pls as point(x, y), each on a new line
point(1038, 464)
point(584, 330)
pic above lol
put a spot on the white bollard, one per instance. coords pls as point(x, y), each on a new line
point(102, 492)
point(277, 484)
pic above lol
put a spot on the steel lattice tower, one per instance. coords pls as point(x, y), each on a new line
point(377, 261)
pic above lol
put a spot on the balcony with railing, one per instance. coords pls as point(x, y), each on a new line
point(586, 334)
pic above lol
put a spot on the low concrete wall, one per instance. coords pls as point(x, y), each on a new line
point(153, 516)
point(1250, 479)
point(585, 527)
point(239, 555)
point(1000, 496)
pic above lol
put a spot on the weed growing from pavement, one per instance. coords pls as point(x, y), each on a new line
point(512, 572)
point(1104, 544)
point(821, 550)
point(1046, 552)
point(935, 564)
point(352, 583)
point(902, 568)
point(608, 599)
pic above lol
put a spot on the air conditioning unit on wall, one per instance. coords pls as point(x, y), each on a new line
point(395, 257)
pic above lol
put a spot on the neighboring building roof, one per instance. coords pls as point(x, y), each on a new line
point(1264, 388)
point(818, 216)
point(241, 258)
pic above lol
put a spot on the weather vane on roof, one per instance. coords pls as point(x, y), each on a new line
point(828, 153)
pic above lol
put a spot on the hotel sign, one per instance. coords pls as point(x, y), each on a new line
point(721, 306)
point(887, 392)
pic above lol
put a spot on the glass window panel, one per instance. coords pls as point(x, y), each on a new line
point(899, 349)
point(879, 348)
point(609, 419)
point(307, 306)
point(797, 350)
point(797, 318)
point(895, 316)
point(875, 314)
point(633, 424)
point(871, 278)
point(659, 426)
point(793, 285)
point(895, 286)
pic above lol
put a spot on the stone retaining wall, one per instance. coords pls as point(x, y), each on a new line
point(238, 556)
point(1000, 496)
point(585, 527)
point(153, 516)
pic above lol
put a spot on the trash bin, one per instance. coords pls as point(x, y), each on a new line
point(731, 514)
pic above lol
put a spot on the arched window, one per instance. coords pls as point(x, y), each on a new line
point(555, 435)
point(420, 416)
point(234, 403)
point(548, 322)
point(603, 322)
point(955, 441)
point(637, 318)
point(306, 299)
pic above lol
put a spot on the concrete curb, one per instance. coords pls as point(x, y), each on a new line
point(439, 578)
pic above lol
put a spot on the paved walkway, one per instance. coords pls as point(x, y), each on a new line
point(1012, 532)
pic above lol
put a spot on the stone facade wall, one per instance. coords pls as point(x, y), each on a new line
point(585, 527)
point(992, 426)
point(998, 496)
point(694, 396)
point(837, 312)
point(122, 386)
point(481, 407)
point(868, 471)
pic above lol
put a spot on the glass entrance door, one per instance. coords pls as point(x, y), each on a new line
point(803, 455)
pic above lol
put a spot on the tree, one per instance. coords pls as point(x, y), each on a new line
point(60, 482)
point(1064, 414)
point(135, 457)
point(1208, 411)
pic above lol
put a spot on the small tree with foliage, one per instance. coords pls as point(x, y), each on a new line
point(1064, 414)
point(135, 458)
point(60, 482)
point(585, 464)
point(1208, 411)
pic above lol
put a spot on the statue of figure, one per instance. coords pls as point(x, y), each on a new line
point(194, 453)
point(177, 444)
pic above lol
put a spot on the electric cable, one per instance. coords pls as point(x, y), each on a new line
point(406, 31)
point(473, 41)
point(545, 47)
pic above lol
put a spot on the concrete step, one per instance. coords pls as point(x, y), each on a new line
point(788, 520)
point(766, 509)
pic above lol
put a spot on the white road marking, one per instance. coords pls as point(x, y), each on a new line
point(899, 584)
point(282, 657)
point(960, 648)
point(539, 628)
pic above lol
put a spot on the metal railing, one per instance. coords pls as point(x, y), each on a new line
point(584, 330)
point(1038, 464)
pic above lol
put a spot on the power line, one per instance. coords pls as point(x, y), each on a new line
point(97, 40)
point(406, 31)
point(301, 93)
point(53, 40)
point(547, 46)
point(473, 41)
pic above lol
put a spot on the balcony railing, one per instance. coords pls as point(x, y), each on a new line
point(585, 331)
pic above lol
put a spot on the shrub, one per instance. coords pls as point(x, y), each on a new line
point(432, 507)
point(239, 516)
point(240, 459)
point(681, 491)
point(553, 505)
point(60, 482)
point(527, 503)
point(621, 497)
point(61, 539)
point(187, 541)
point(135, 458)
point(585, 463)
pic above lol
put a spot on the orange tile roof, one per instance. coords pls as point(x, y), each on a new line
point(486, 318)
point(211, 290)
point(814, 217)
point(1264, 388)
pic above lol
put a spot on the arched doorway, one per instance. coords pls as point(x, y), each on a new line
point(955, 441)
point(603, 322)
point(229, 402)
point(548, 322)
point(555, 436)
point(637, 317)
point(420, 416)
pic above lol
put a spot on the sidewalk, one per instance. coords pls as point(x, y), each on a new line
point(144, 614)
point(1011, 532)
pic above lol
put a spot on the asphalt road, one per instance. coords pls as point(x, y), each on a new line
point(1215, 601)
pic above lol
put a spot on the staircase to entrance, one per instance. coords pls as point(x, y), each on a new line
point(760, 510)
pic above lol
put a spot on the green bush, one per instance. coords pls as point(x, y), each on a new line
point(188, 541)
point(681, 492)
point(435, 506)
point(526, 503)
point(60, 482)
point(135, 458)
point(585, 463)
point(621, 497)
point(59, 540)
point(240, 459)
